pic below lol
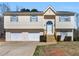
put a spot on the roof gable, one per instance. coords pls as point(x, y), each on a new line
point(49, 11)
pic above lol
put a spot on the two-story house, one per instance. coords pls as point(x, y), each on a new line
point(29, 26)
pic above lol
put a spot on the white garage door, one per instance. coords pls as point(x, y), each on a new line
point(16, 37)
point(34, 36)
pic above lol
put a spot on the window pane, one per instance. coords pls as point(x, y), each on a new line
point(34, 19)
point(14, 19)
point(64, 18)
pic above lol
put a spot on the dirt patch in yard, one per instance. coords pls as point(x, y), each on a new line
point(59, 49)
point(54, 52)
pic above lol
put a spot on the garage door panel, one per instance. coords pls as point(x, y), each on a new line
point(16, 37)
point(28, 37)
point(34, 36)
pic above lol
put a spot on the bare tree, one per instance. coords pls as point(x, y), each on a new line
point(17, 8)
point(4, 8)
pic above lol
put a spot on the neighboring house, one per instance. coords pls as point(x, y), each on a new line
point(29, 26)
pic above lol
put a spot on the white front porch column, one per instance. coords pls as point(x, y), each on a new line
point(72, 35)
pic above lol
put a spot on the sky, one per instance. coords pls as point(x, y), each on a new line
point(41, 6)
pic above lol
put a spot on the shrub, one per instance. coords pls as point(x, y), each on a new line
point(42, 38)
point(25, 10)
point(34, 10)
point(76, 39)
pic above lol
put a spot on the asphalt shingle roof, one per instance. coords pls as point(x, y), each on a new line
point(38, 13)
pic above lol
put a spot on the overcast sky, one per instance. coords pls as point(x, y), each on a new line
point(58, 6)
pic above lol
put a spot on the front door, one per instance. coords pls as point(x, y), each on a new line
point(49, 27)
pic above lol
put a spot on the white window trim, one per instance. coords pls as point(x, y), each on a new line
point(36, 20)
point(53, 27)
point(14, 21)
point(61, 20)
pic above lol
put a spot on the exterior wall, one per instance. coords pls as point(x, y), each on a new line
point(7, 36)
point(23, 23)
point(66, 25)
point(68, 33)
point(24, 36)
point(49, 15)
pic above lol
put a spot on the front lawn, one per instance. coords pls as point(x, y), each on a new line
point(59, 49)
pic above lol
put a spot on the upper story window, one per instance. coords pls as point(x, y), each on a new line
point(64, 18)
point(33, 18)
point(14, 19)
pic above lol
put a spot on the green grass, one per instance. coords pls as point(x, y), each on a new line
point(39, 51)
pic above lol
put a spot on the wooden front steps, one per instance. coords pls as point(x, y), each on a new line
point(51, 38)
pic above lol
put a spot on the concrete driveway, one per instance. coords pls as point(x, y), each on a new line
point(17, 48)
